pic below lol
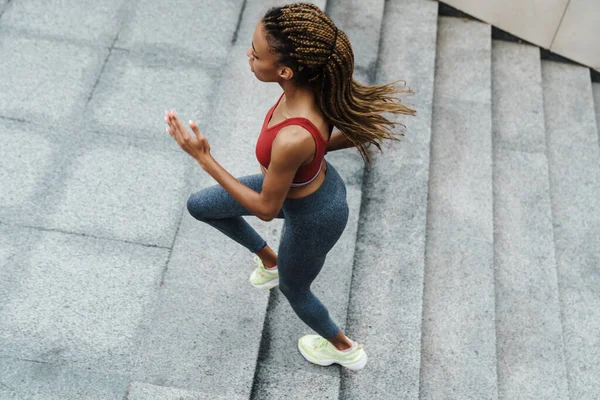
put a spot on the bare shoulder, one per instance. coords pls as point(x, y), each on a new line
point(294, 139)
point(292, 135)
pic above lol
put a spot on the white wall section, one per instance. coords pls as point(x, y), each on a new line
point(566, 27)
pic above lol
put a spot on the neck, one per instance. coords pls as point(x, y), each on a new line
point(297, 97)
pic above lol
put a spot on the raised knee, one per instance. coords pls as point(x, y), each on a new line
point(195, 208)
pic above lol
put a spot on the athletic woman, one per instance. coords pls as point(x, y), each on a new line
point(299, 47)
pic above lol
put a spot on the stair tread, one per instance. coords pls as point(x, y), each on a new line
point(574, 163)
point(596, 90)
point(385, 304)
point(530, 348)
point(459, 341)
point(277, 382)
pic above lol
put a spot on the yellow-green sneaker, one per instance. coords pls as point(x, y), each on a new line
point(263, 278)
point(320, 351)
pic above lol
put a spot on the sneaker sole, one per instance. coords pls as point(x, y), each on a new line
point(268, 285)
point(353, 365)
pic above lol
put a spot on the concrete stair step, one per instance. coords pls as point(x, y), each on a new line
point(596, 90)
point(385, 299)
point(529, 346)
point(574, 164)
point(24, 379)
point(281, 367)
point(361, 20)
point(459, 340)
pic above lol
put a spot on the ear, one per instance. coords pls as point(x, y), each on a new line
point(285, 73)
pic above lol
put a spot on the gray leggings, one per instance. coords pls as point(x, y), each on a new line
point(312, 226)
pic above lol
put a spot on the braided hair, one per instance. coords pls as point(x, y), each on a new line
point(305, 39)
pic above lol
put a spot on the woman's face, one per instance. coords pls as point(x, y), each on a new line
point(262, 61)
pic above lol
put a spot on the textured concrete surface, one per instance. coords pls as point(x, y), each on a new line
point(199, 30)
point(387, 283)
point(531, 362)
point(530, 350)
point(135, 89)
point(596, 90)
point(28, 154)
point(90, 288)
point(96, 22)
point(278, 382)
point(361, 20)
point(100, 198)
point(204, 336)
point(518, 112)
point(574, 161)
point(146, 391)
point(73, 299)
point(77, 180)
point(45, 80)
point(34, 380)
point(459, 340)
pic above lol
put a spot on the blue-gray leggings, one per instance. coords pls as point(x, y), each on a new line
point(312, 226)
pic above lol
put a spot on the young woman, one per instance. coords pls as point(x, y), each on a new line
point(299, 47)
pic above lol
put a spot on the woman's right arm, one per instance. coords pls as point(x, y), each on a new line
point(338, 141)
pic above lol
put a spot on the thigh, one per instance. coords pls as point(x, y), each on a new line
point(301, 253)
point(214, 202)
point(305, 242)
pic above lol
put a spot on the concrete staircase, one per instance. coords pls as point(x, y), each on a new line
point(469, 268)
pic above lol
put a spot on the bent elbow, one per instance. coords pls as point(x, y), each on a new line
point(265, 218)
point(268, 215)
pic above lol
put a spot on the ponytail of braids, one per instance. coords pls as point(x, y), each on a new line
point(320, 54)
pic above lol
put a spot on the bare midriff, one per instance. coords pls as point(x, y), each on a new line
point(299, 192)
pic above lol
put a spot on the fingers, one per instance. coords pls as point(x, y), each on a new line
point(177, 129)
point(178, 126)
point(174, 128)
point(195, 129)
point(181, 129)
point(168, 122)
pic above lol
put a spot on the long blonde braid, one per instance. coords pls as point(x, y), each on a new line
point(320, 54)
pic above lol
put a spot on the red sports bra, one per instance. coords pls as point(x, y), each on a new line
point(306, 173)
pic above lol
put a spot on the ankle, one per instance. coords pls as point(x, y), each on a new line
point(269, 262)
point(343, 346)
point(268, 257)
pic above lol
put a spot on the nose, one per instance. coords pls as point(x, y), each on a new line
point(249, 52)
